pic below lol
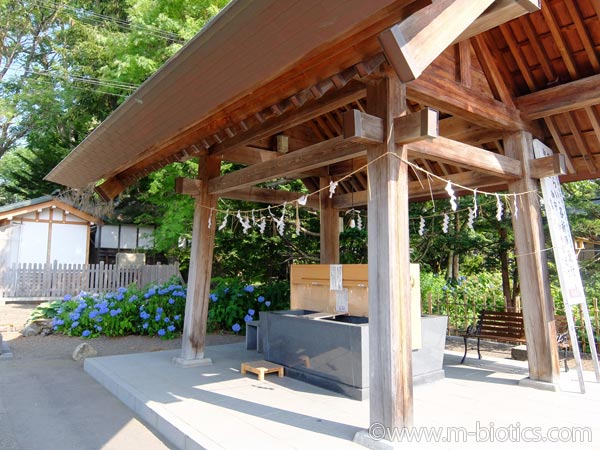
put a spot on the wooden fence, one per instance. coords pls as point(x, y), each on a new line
point(56, 280)
point(462, 312)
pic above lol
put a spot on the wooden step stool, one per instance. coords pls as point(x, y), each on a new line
point(260, 368)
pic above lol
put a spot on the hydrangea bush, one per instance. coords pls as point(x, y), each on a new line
point(159, 310)
point(234, 303)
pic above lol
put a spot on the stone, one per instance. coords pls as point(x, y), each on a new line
point(39, 326)
point(84, 350)
point(519, 353)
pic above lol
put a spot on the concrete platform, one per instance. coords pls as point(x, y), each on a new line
point(215, 407)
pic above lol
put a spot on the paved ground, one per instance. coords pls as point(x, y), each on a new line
point(48, 402)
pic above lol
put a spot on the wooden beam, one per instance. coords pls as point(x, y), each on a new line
point(249, 155)
point(462, 130)
point(188, 186)
point(311, 157)
point(352, 92)
point(203, 239)
point(414, 43)
point(390, 347)
point(462, 155)
point(501, 11)
point(536, 300)
point(363, 127)
point(550, 166)
point(562, 98)
point(433, 90)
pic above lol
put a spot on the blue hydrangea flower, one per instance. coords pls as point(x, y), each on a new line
point(150, 293)
point(268, 303)
point(251, 312)
point(171, 328)
point(226, 290)
point(98, 327)
point(120, 297)
point(249, 288)
point(75, 324)
point(122, 290)
point(67, 297)
point(260, 299)
point(161, 332)
point(157, 318)
point(167, 320)
point(171, 301)
point(236, 327)
point(159, 310)
point(144, 315)
point(213, 297)
point(93, 313)
point(115, 312)
point(133, 298)
point(86, 333)
point(248, 318)
point(145, 325)
point(103, 310)
point(74, 316)
point(178, 294)
point(177, 317)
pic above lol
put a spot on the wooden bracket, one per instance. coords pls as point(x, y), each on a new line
point(417, 126)
point(549, 166)
point(188, 186)
point(368, 129)
point(362, 127)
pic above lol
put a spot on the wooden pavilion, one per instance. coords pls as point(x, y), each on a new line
point(315, 89)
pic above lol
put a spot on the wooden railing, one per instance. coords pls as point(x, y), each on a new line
point(56, 280)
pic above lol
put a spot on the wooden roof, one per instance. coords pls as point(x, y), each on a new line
point(8, 212)
point(266, 77)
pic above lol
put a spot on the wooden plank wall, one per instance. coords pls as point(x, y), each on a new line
point(57, 280)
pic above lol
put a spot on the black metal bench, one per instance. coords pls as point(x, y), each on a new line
point(497, 326)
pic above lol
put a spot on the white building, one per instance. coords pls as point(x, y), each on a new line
point(44, 230)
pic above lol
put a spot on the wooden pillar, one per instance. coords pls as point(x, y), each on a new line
point(536, 300)
point(390, 354)
point(330, 226)
point(201, 257)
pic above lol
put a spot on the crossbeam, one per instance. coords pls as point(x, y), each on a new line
point(312, 157)
point(463, 155)
point(560, 99)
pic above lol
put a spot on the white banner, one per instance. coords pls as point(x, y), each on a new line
point(560, 233)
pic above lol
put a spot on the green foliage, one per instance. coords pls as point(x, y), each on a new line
point(461, 299)
point(46, 310)
point(233, 303)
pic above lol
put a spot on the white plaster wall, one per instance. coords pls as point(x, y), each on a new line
point(33, 242)
point(109, 236)
point(69, 244)
point(9, 244)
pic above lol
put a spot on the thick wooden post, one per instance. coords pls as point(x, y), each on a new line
point(390, 388)
point(330, 227)
point(537, 304)
point(201, 257)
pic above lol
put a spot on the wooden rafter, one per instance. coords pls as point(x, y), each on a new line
point(559, 41)
point(558, 141)
point(579, 142)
